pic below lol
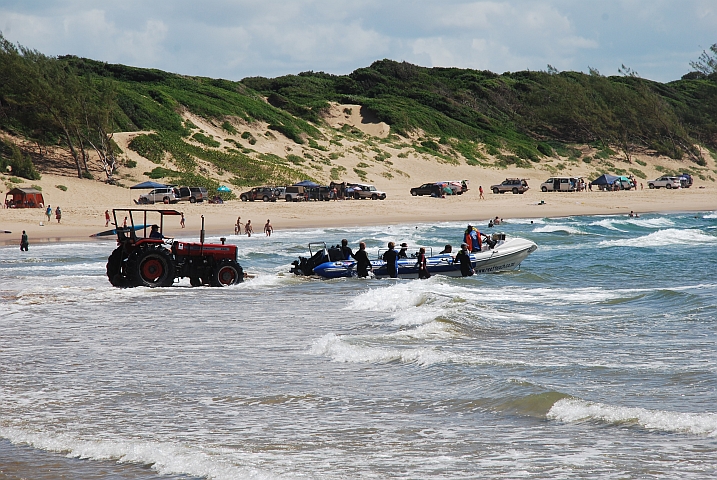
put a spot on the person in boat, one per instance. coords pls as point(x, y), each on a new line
point(464, 258)
point(422, 266)
point(363, 264)
point(472, 238)
point(346, 250)
point(446, 249)
point(390, 256)
point(155, 233)
point(403, 252)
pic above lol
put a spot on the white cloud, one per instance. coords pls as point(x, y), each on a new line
point(234, 39)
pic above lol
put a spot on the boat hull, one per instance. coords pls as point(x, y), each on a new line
point(508, 255)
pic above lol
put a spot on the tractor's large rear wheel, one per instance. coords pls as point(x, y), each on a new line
point(227, 272)
point(114, 268)
point(151, 267)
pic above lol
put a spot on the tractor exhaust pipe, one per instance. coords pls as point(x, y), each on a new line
point(201, 234)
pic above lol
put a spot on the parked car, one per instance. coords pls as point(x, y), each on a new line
point(665, 181)
point(364, 190)
point(265, 194)
point(427, 189)
point(192, 194)
point(280, 192)
point(161, 195)
point(559, 184)
point(686, 180)
point(515, 185)
point(295, 193)
point(459, 187)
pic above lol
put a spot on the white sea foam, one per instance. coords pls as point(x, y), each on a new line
point(662, 238)
point(711, 215)
point(165, 458)
point(353, 349)
point(333, 346)
point(575, 410)
point(559, 229)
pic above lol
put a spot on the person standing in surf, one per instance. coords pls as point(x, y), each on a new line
point(390, 256)
point(464, 258)
point(24, 243)
point(422, 264)
point(363, 264)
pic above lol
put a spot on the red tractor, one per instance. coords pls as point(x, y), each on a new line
point(152, 260)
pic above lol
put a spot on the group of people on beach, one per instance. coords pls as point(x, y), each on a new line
point(58, 213)
point(249, 229)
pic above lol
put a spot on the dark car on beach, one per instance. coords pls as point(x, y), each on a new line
point(266, 194)
point(427, 189)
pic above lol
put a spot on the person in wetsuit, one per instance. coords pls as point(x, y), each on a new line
point(390, 256)
point(465, 260)
point(403, 253)
point(363, 264)
point(346, 250)
point(422, 267)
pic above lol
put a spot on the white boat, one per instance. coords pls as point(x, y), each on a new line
point(506, 253)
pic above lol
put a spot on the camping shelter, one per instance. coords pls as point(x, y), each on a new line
point(604, 180)
point(147, 185)
point(24, 198)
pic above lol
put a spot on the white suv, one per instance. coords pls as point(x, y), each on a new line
point(363, 190)
point(666, 181)
point(161, 195)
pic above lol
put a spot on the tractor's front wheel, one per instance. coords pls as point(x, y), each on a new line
point(227, 272)
point(152, 267)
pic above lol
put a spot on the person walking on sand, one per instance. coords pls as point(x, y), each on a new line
point(237, 227)
point(23, 242)
point(480, 191)
point(58, 214)
point(248, 228)
point(48, 212)
point(107, 218)
point(181, 220)
point(268, 229)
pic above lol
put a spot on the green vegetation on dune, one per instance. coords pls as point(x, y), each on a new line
point(449, 114)
point(519, 113)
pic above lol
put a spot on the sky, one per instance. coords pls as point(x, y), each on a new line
point(234, 39)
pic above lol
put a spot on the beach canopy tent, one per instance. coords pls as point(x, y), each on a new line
point(605, 180)
point(306, 183)
point(150, 184)
point(224, 188)
point(24, 198)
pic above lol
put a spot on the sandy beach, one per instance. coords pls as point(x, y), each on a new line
point(85, 202)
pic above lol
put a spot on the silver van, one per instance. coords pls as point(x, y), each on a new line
point(559, 184)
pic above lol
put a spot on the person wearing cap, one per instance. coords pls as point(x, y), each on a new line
point(155, 233)
point(471, 237)
point(464, 258)
point(390, 256)
point(403, 253)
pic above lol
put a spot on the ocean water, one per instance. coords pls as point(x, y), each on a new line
point(597, 359)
